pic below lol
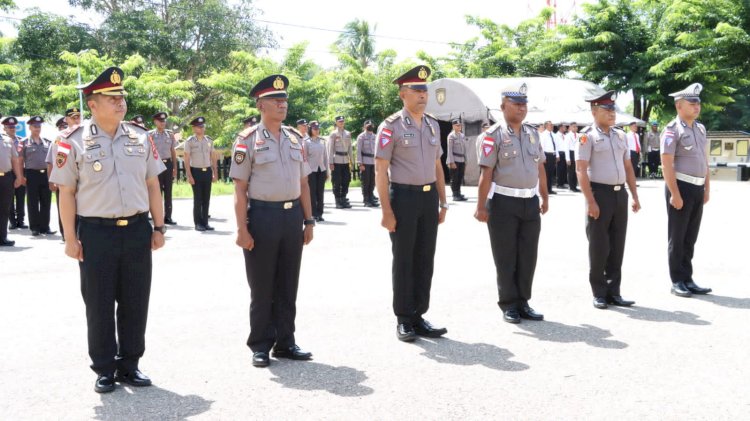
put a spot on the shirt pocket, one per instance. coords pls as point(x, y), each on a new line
point(508, 153)
point(264, 157)
point(601, 146)
point(96, 165)
point(295, 152)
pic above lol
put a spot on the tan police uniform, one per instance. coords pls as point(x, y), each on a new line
point(457, 149)
point(317, 159)
point(39, 201)
point(164, 142)
point(8, 153)
point(339, 154)
point(200, 151)
point(366, 157)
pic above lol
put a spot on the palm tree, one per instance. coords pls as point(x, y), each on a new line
point(358, 42)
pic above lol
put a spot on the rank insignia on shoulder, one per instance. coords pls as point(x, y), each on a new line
point(240, 152)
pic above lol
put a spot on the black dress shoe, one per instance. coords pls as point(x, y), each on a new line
point(7, 243)
point(22, 225)
point(512, 316)
point(105, 383)
point(346, 205)
point(695, 289)
point(169, 221)
point(293, 353)
point(679, 289)
point(49, 232)
point(460, 198)
point(617, 300)
point(260, 359)
point(425, 328)
point(13, 226)
point(600, 303)
point(529, 313)
point(405, 332)
point(35, 233)
point(134, 378)
point(209, 228)
point(200, 228)
point(320, 219)
point(551, 192)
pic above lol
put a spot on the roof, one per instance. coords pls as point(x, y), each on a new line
point(730, 133)
point(553, 99)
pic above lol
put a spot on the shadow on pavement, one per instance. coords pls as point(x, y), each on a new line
point(558, 332)
point(14, 248)
point(149, 403)
point(656, 315)
point(309, 375)
point(449, 351)
point(730, 302)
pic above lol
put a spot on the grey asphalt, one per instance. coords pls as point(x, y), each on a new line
point(666, 358)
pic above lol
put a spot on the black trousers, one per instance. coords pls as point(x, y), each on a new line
point(18, 203)
point(682, 228)
point(549, 168)
point(413, 248)
point(6, 199)
point(317, 182)
point(368, 183)
point(272, 268)
point(654, 160)
point(40, 199)
point(635, 159)
point(572, 176)
point(59, 221)
point(457, 178)
point(165, 185)
point(514, 225)
point(606, 237)
point(341, 176)
point(201, 194)
point(562, 170)
point(116, 284)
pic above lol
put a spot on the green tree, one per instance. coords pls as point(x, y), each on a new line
point(9, 88)
point(357, 41)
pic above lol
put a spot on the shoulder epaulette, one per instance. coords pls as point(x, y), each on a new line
point(247, 132)
point(493, 128)
point(136, 125)
point(69, 131)
point(295, 131)
point(672, 123)
point(585, 129)
point(393, 117)
point(431, 116)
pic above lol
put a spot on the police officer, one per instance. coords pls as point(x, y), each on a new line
point(73, 117)
point(317, 159)
point(33, 156)
point(512, 158)
point(71, 120)
point(11, 176)
point(653, 146)
point(547, 138)
point(250, 121)
point(165, 143)
point(366, 162)
point(200, 169)
point(339, 153)
point(139, 120)
point(603, 166)
point(409, 177)
point(18, 203)
point(107, 174)
point(456, 159)
point(571, 138)
point(302, 127)
point(269, 168)
point(686, 175)
point(562, 166)
point(61, 124)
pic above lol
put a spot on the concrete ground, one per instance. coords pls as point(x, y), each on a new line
point(666, 358)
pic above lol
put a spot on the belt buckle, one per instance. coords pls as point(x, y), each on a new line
point(2, 174)
point(204, 169)
point(617, 188)
point(121, 222)
point(427, 188)
point(288, 205)
point(164, 161)
point(42, 171)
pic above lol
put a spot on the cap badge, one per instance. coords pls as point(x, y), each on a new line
point(115, 78)
point(523, 89)
point(422, 73)
point(278, 83)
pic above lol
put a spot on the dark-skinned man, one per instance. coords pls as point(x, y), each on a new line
point(603, 166)
point(18, 203)
point(11, 176)
point(456, 159)
point(512, 158)
point(201, 172)
point(272, 204)
point(107, 172)
point(687, 177)
point(411, 185)
point(165, 143)
point(340, 158)
point(33, 156)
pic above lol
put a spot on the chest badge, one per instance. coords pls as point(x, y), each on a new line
point(97, 166)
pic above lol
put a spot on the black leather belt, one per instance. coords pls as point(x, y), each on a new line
point(369, 155)
point(611, 187)
point(166, 160)
point(412, 187)
point(117, 222)
point(289, 204)
point(34, 170)
point(458, 154)
point(342, 154)
point(201, 169)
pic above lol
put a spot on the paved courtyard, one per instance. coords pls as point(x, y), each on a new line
point(666, 358)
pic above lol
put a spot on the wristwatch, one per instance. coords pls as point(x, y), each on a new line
point(444, 206)
point(310, 222)
point(162, 229)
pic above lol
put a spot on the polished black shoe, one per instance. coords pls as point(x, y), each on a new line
point(600, 303)
point(425, 328)
point(679, 289)
point(405, 332)
point(320, 219)
point(200, 228)
point(260, 359)
point(460, 198)
point(529, 314)
point(512, 316)
point(49, 232)
point(617, 300)
point(293, 353)
point(105, 383)
point(22, 226)
point(134, 378)
point(13, 226)
point(169, 221)
point(695, 289)
point(35, 233)
point(209, 228)
point(346, 205)
point(551, 192)
point(7, 243)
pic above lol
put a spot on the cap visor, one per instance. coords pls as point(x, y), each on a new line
point(518, 99)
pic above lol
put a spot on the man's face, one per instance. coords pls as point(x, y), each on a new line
point(457, 127)
point(513, 112)
point(414, 99)
point(603, 116)
point(633, 128)
point(548, 126)
point(273, 109)
point(10, 130)
point(199, 130)
point(160, 124)
point(654, 128)
point(35, 129)
point(105, 107)
point(688, 110)
point(563, 129)
point(73, 120)
point(340, 124)
point(302, 128)
point(574, 128)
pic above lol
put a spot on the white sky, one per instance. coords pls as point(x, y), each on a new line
point(436, 21)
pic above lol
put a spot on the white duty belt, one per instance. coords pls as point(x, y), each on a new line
point(522, 193)
point(698, 181)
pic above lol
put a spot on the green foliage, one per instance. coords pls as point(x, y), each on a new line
point(357, 42)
